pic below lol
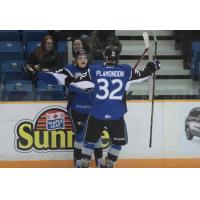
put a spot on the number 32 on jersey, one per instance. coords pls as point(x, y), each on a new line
point(117, 84)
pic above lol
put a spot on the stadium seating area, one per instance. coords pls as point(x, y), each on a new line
point(15, 46)
point(172, 81)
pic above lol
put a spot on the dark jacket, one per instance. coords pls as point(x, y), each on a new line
point(50, 60)
point(99, 40)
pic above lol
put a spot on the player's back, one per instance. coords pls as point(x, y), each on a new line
point(110, 83)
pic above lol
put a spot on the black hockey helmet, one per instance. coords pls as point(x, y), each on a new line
point(111, 53)
point(79, 52)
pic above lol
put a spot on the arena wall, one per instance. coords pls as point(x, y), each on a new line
point(27, 138)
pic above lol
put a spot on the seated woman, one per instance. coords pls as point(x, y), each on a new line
point(44, 58)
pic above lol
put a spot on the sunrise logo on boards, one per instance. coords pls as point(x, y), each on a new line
point(51, 130)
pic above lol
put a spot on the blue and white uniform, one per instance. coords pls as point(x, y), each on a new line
point(108, 104)
point(110, 85)
point(79, 104)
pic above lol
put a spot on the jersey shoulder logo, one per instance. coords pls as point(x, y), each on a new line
point(108, 116)
point(137, 72)
point(59, 70)
point(83, 75)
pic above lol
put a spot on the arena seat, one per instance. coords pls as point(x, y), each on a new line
point(33, 35)
point(11, 65)
point(12, 70)
point(48, 92)
point(20, 90)
point(9, 35)
point(13, 75)
point(31, 46)
point(10, 50)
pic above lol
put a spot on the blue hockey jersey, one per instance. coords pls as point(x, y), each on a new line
point(110, 84)
point(79, 100)
point(107, 101)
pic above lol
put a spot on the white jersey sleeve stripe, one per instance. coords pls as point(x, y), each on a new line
point(61, 78)
point(68, 71)
point(83, 85)
point(141, 80)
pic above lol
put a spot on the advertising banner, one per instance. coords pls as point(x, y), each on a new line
point(43, 131)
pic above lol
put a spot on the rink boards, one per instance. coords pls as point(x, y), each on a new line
point(39, 134)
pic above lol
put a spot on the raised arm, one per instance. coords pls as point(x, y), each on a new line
point(144, 75)
point(61, 77)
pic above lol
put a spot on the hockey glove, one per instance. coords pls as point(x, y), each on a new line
point(153, 66)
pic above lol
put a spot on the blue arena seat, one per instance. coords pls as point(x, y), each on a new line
point(31, 46)
point(10, 50)
point(33, 35)
point(18, 91)
point(11, 66)
point(12, 70)
point(48, 92)
point(62, 46)
point(195, 60)
point(13, 75)
point(9, 35)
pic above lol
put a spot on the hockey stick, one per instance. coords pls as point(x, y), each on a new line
point(147, 45)
point(153, 91)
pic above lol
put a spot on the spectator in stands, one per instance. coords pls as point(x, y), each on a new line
point(79, 36)
point(44, 58)
point(77, 44)
point(99, 40)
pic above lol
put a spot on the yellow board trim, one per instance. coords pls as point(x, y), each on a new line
point(128, 101)
point(122, 163)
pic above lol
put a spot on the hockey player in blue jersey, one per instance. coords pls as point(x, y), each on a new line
point(108, 105)
point(79, 101)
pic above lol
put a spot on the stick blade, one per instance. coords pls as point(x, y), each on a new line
point(146, 40)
